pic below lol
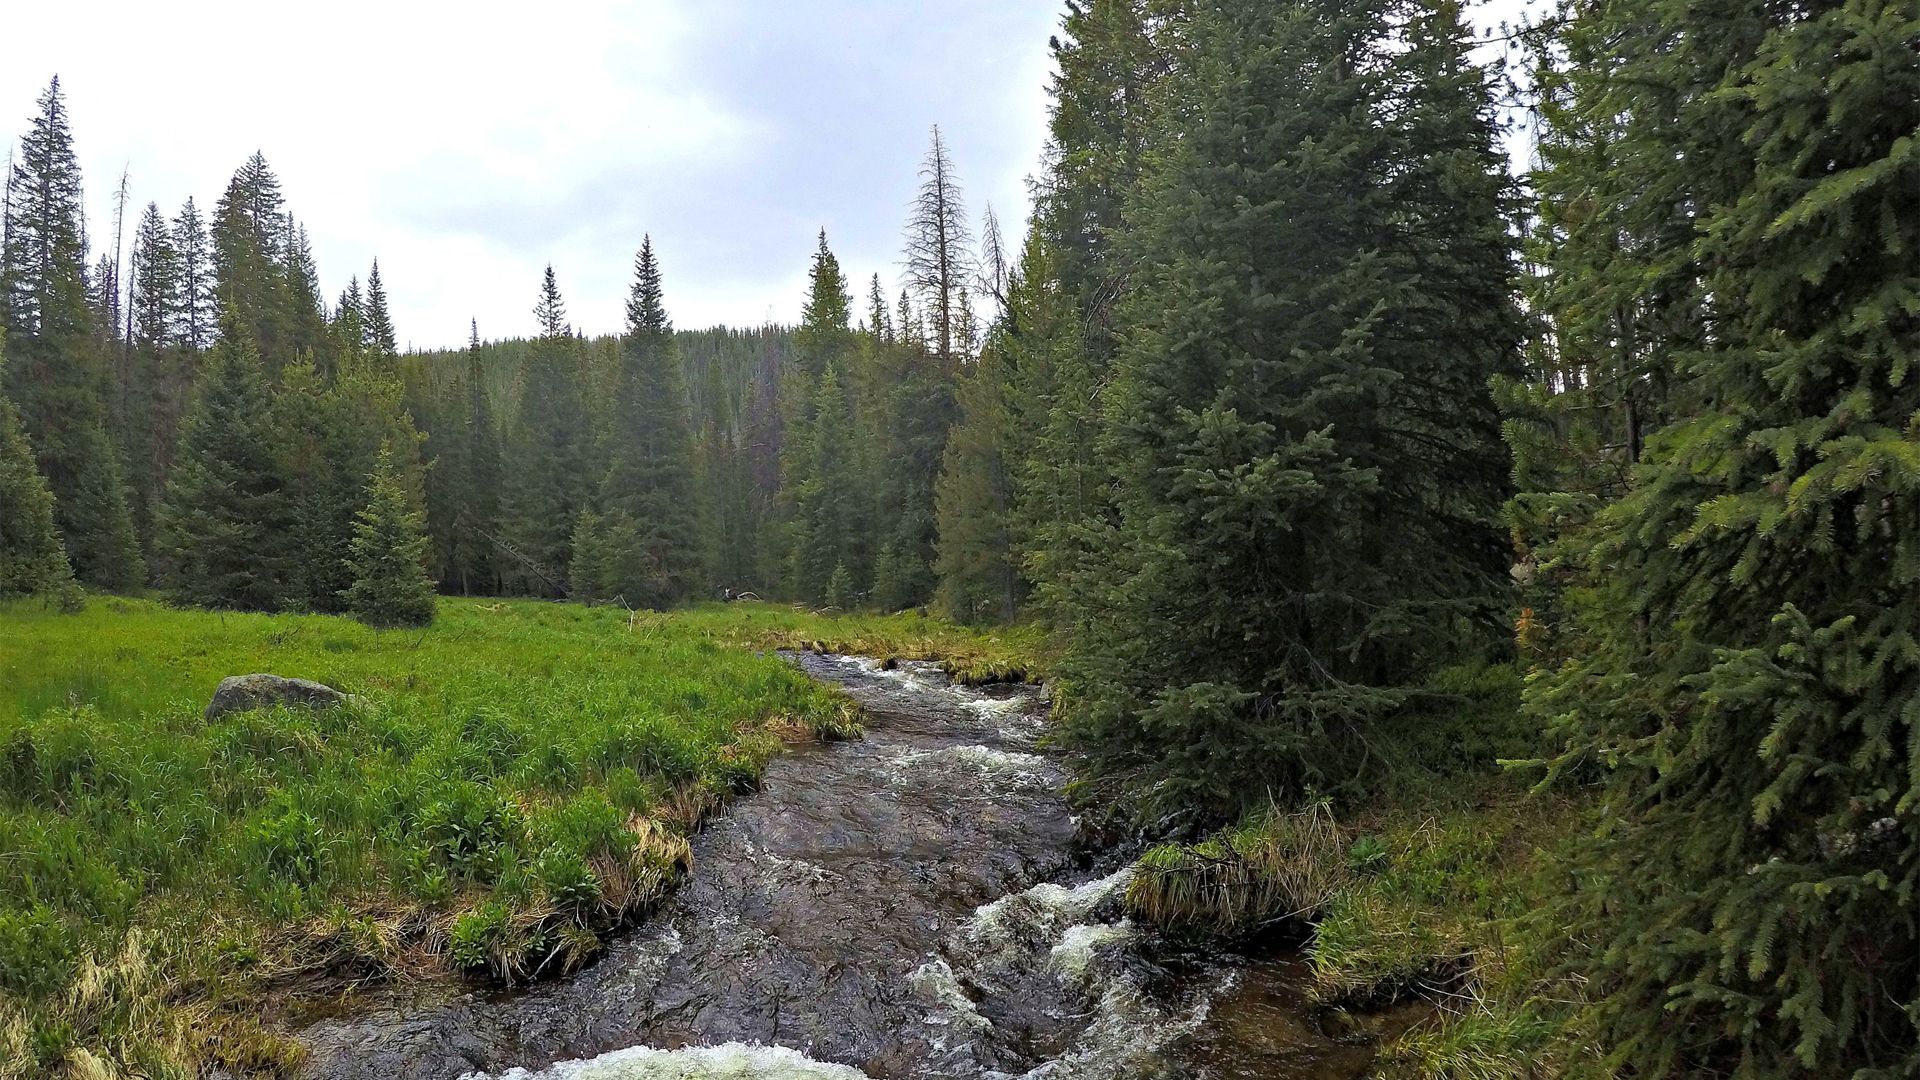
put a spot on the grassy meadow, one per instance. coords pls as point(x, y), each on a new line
point(516, 781)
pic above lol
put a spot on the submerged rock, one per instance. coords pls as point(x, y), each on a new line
point(239, 693)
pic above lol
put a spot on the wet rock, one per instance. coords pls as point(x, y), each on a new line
point(239, 693)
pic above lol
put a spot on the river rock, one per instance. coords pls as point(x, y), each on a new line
point(238, 693)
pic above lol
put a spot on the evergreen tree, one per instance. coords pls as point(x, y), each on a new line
point(382, 348)
point(974, 498)
point(198, 312)
point(477, 518)
point(55, 373)
point(1099, 127)
point(32, 560)
point(826, 494)
point(824, 335)
point(1307, 467)
point(648, 491)
point(226, 525)
point(158, 374)
point(546, 482)
point(306, 319)
point(389, 555)
point(1729, 200)
point(347, 331)
point(249, 258)
point(938, 260)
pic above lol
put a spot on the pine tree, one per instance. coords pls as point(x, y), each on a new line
point(347, 330)
point(546, 482)
point(249, 259)
point(389, 556)
point(826, 494)
point(382, 348)
point(226, 524)
point(32, 560)
point(55, 373)
point(1307, 466)
point(158, 376)
point(306, 317)
point(824, 335)
point(477, 519)
point(939, 262)
point(1099, 128)
point(974, 498)
point(1729, 199)
point(648, 491)
point(198, 312)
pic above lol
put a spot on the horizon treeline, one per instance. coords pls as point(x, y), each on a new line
point(205, 423)
point(1289, 411)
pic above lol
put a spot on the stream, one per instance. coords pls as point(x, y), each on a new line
point(911, 904)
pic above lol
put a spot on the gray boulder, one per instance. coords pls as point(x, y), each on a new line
point(238, 693)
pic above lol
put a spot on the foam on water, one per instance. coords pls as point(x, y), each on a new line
point(1005, 765)
point(937, 985)
point(1041, 909)
point(1074, 956)
point(727, 1061)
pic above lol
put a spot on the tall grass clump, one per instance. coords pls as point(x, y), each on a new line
point(510, 785)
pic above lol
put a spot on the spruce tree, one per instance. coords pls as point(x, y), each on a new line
point(477, 519)
point(648, 492)
point(249, 256)
point(32, 560)
point(226, 523)
point(938, 257)
point(56, 375)
point(826, 495)
point(389, 555)
point(974, 498)
point(158, 374)
point(1730, 197)
point(546, 482)
point(198, 312)
point(382, 347)
point(1307, 463)
point(824, 335)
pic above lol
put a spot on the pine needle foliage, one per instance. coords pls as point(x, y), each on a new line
point(1736, 656)
point(227, 525)
point(1307, 469)
point(32, 559)
point(55, 373)
point(389, 556)
point(648, 490)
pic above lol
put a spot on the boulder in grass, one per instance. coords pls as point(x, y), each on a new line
point(239, 693)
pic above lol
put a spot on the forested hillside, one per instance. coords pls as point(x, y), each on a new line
point(1289, 413)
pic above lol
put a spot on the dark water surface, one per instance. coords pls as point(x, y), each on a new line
point(912, 904)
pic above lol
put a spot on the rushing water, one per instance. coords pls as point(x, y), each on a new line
point(912, 904)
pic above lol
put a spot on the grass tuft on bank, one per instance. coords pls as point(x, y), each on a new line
point(1424, 886)
point(516, 781)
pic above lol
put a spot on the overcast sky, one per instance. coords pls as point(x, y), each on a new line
point(466, 145)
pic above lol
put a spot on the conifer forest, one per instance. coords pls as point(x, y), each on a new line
point(1492, 586)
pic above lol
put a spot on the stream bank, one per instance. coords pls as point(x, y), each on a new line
point(912, 904)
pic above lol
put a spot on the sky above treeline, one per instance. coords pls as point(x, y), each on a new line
point(468, 145)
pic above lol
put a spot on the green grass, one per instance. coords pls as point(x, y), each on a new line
point(1423, 887)
point(998, 654)
point(518, 781)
